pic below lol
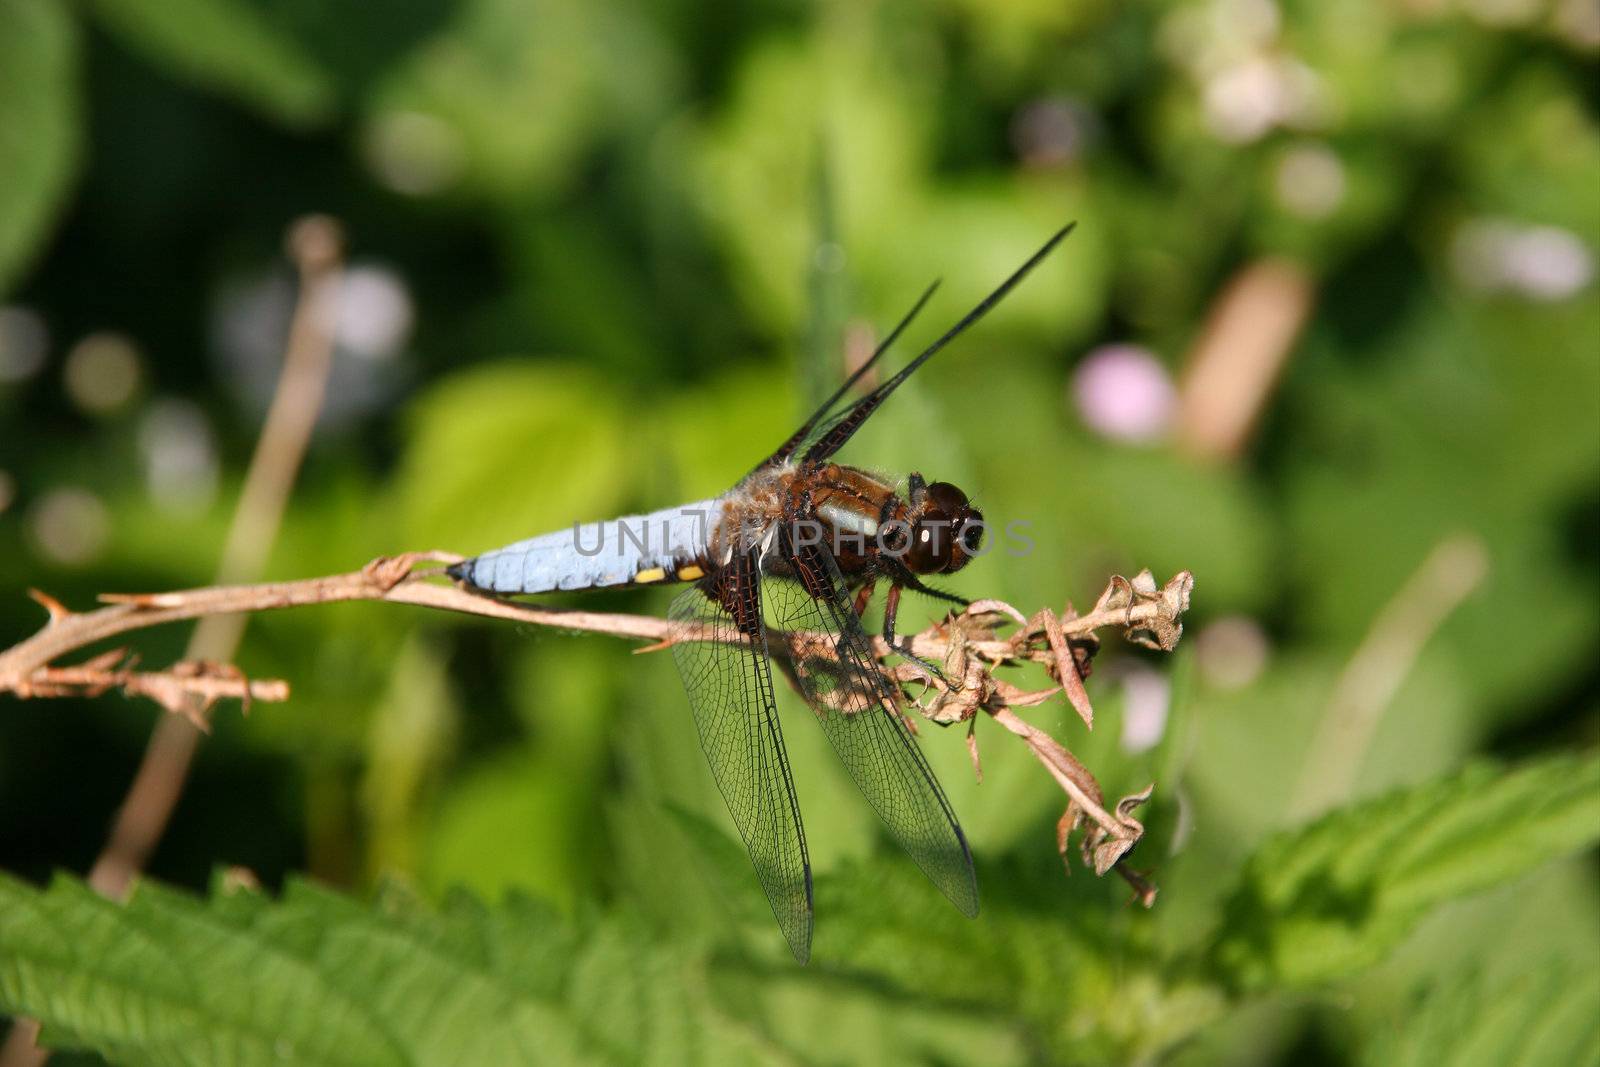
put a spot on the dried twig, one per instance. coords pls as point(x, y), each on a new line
point(968, 647)
point(314, 246)
point(190, 688)
point(398, 580)
point(1064, 645)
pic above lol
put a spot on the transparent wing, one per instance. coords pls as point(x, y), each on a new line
point(836, 406)
point(858, 710)
point(841, 427)
point(730, 690)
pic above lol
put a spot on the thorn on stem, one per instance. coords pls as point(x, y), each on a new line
point(108, 661)
point(57, 610)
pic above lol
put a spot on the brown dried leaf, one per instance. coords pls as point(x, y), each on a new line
point(1014, 697)
point(1118, 594)
point(1102, 849)
point(982, 611)
point(1163, 630)
point(1127, 805)
point(1064, 826)
point(1066, 668)
point(972, 750)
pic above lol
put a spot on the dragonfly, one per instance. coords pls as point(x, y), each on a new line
point(789, 557)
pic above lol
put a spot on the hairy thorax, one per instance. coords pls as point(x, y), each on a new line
point(843, 507)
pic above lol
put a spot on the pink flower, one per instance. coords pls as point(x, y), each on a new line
point(1124, 393)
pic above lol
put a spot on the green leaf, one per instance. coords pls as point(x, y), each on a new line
point(508, 450)
point(38, 119)
point(1550, 1015)
point(1444, 392)
point(411, 738)
point(163, 980)
point(229, 46)
point(526, 91)
point(1062, 957)
point(1326, 901)
point(316, 978)
point(899, 224)
point(724, 865)
point(515, 798)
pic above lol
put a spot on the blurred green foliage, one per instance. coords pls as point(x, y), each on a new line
point(603, 255)
point(316, 978)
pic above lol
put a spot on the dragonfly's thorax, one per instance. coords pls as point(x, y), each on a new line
point(867, 523)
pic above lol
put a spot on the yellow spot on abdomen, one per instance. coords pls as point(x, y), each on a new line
point(690, 573)
point(653, 574)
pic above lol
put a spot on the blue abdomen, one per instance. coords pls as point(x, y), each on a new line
point(592, 555)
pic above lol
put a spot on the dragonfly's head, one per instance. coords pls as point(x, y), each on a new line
point(945, 529)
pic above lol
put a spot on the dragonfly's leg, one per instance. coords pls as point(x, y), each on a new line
point(864, 598)
point(909, 581)
point(891, 610)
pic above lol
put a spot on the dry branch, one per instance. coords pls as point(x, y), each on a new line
point(315, 245)
point(967, 647)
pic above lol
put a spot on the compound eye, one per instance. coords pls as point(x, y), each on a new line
point(932, 541)
point(946, 498)
point(972, 533)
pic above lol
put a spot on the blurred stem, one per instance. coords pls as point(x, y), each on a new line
point(1229, 373)
point(825, 287)
point(315, 246)
point(1369, 682)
